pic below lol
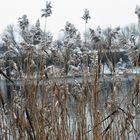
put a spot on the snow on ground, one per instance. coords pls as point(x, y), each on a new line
point(121, 70)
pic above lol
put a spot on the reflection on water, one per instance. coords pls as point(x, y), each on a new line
point(120, 94)
point(111, 104)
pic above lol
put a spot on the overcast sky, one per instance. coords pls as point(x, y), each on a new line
point(103, 12)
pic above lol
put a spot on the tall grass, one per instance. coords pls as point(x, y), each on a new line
point(61, 110)
point(96, 107)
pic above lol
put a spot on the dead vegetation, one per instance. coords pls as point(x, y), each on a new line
point(39, 102)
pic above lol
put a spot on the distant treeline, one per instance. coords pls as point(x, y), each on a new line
point(114, 57)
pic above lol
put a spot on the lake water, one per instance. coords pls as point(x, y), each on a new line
point(123, 89)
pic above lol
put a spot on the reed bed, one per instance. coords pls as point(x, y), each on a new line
point(57, 110)
point(42, 106)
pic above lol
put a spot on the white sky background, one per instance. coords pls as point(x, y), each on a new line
point(103, 12)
